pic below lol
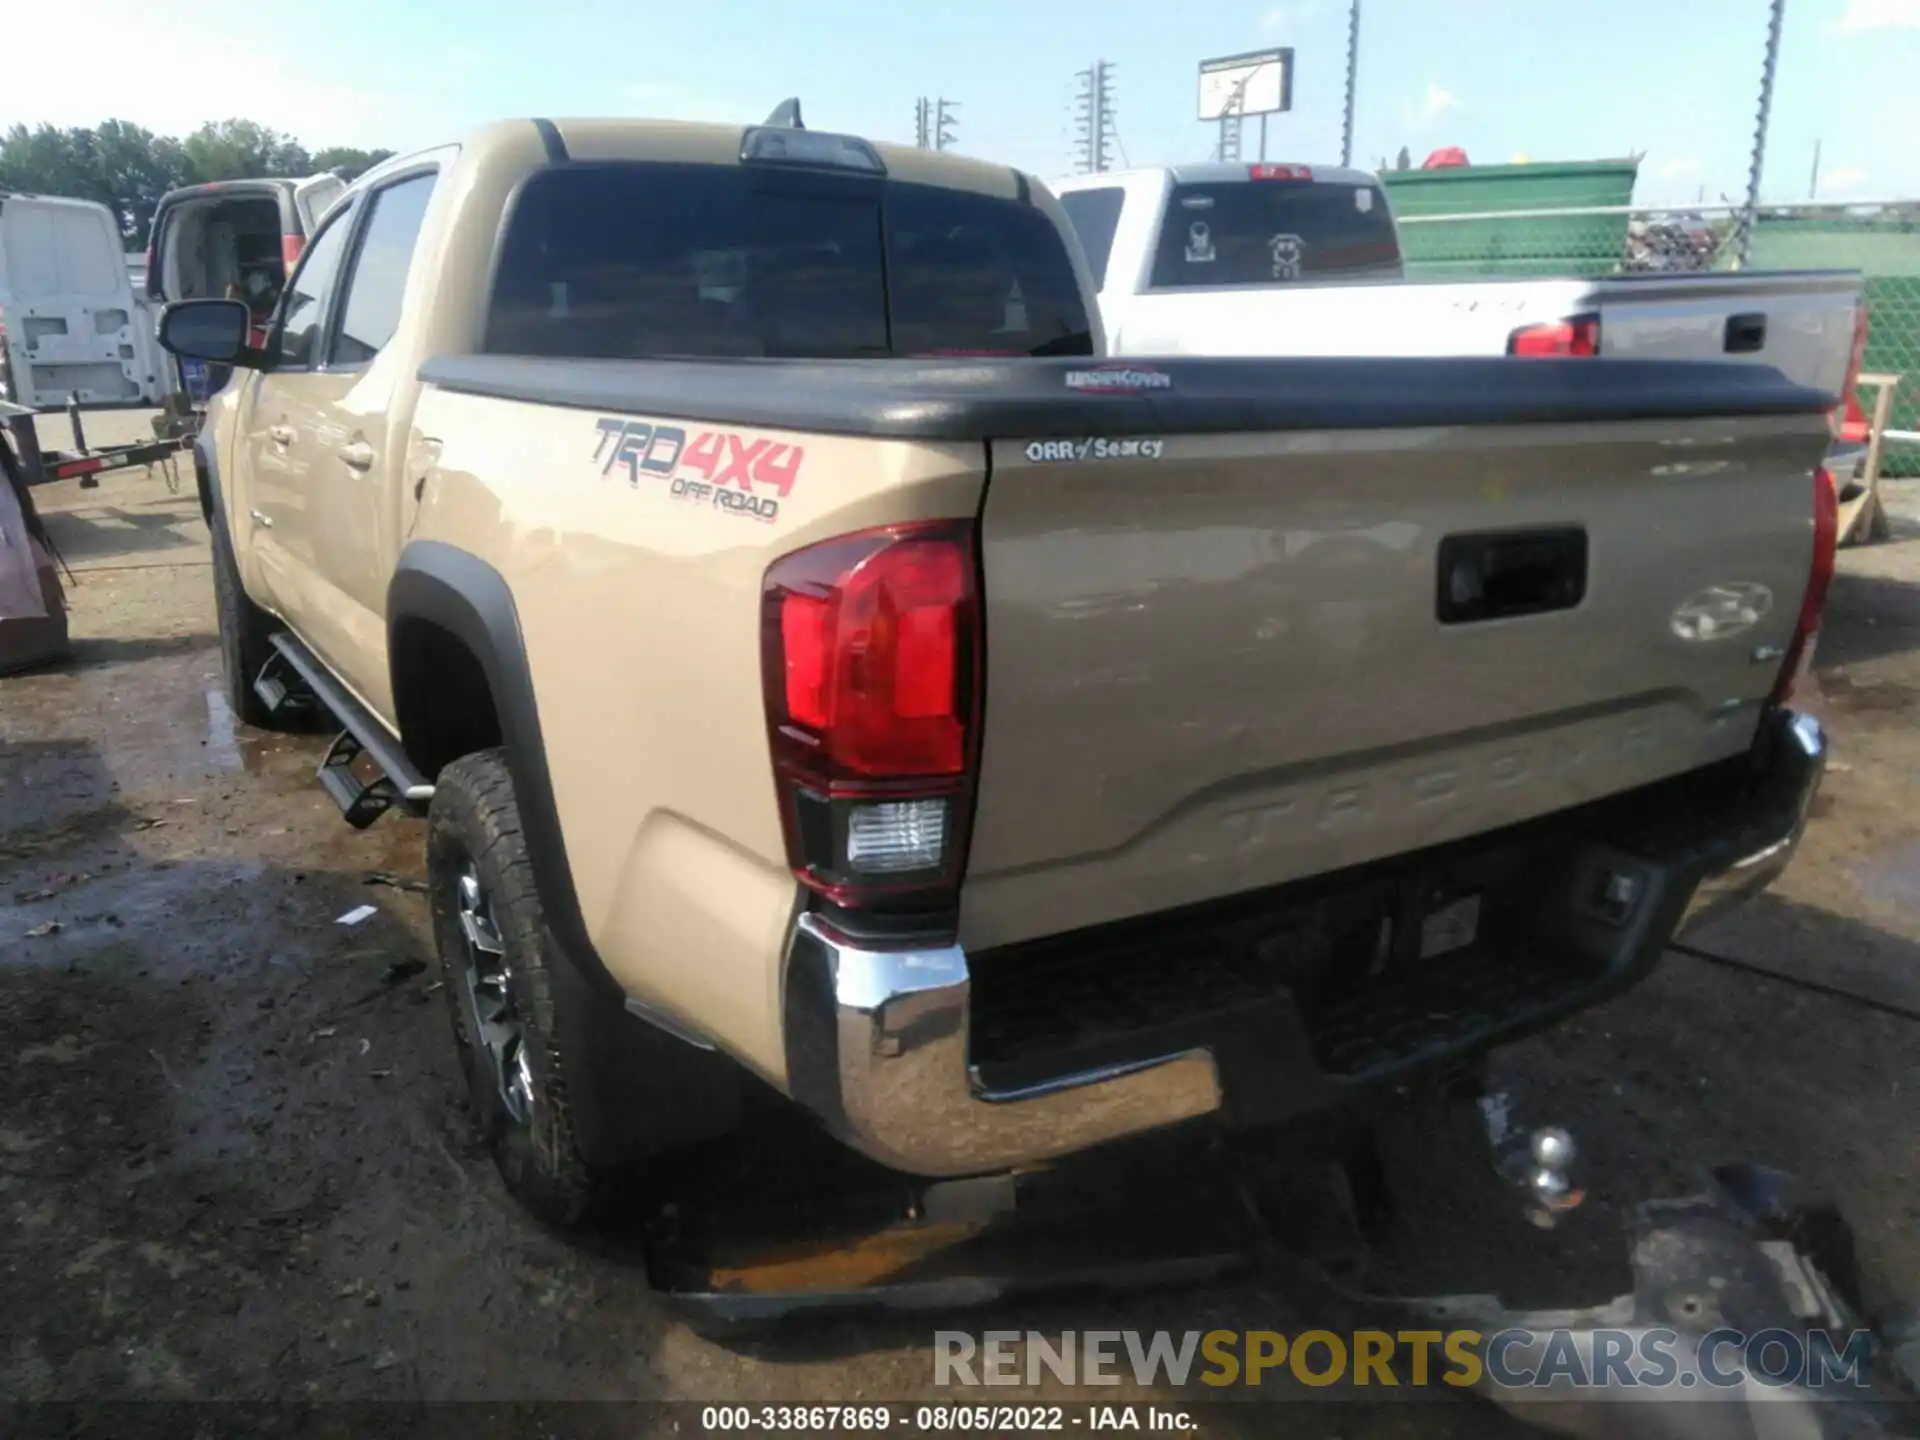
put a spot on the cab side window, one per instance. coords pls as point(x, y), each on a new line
point(379, 275)
point(303, 309)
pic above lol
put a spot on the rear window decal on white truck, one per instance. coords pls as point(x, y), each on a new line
point(1095, 448)
point(1199, 244)
point(1288, 251)
point(718, 460)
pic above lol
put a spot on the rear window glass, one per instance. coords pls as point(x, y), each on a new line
point(1095, 215)
point(1274, 232)
point(632, 261)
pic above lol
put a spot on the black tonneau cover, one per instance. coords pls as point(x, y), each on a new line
point(980, 399)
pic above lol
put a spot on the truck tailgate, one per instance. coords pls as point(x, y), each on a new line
point(1226, 665)
point(1801, 322)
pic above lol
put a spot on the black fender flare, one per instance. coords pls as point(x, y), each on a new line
point(206, 477)
point(463, 595)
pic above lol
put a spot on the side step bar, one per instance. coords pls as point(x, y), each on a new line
point(360, 802)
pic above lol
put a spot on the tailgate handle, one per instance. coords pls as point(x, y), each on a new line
point(1746, 334)
point(1511, 572)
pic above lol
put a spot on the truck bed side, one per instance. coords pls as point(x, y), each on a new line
point(636, 597)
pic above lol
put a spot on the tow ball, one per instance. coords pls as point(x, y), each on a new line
point(1541, 1162)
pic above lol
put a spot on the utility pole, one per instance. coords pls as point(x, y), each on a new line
point(1813, 185)
point(1743, 241)
point(1094, 122)
point(1353, 79)
point(945, 125)
point(922, 129)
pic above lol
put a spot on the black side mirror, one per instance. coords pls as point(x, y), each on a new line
point(212, 330)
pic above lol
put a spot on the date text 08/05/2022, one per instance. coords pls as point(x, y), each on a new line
point(942, 1419)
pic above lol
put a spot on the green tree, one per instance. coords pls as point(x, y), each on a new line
point(353, 163)
point(120, 165)
point(242, 150)
point(133, 169)
point(128, 168)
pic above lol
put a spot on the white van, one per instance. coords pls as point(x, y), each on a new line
point(73, 323)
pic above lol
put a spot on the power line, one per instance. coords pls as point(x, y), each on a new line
point(1353, 80)
point(1743, 240)
point(933, 127)
point(1094, 118)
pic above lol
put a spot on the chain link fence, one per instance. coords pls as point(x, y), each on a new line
point(1882, 240)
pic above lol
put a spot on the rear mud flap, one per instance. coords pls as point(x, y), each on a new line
point(878, 1241)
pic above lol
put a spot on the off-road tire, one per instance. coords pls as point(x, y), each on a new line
point(244, 632)
point(475, 817)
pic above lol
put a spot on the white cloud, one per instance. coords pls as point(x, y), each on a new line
point(1281, 18)
point(1679, 169)
point(1843, 180)
point(665, 100)
point(1430, 109)
point(1863, 15)
point(245, 75)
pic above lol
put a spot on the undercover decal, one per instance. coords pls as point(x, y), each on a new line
point(722, 469)
point(1118, 380)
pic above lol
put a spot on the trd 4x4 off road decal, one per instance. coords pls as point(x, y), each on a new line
point(705, 467)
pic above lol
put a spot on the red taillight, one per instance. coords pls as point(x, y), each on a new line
point(1279, 172)
point(290, 248)
point(1576, 335)
point(1849, 420)
point(1806, 630)
point(871, 646)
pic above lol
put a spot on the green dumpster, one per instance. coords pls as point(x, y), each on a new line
point(1885, 245)
point(1488, 245)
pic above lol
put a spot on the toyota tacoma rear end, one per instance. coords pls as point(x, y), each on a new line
point(814, 659)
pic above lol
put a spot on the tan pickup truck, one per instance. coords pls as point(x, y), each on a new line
point(815, 661)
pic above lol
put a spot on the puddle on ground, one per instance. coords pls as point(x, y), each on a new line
point(1843, 692)
point(1893, 878)
point(223, 745)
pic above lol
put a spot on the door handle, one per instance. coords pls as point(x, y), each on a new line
point(357, 456)
point(262, 520)
point(1745, 334)
point(280, 434)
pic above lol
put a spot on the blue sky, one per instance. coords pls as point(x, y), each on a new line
point(1553, 79)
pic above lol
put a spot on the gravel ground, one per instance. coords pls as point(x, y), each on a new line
point(234, 1162)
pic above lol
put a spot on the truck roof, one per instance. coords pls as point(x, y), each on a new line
point(1213, 172)
point(587, 139)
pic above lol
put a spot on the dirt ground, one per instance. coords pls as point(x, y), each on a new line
point(233, 1158)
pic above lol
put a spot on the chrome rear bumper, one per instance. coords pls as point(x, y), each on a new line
point(877, 1048)
point(877, 1036)
point(1792, 770)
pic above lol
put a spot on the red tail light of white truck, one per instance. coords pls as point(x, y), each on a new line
point(870, 646)
point(1577, 335)
point(1806, 630)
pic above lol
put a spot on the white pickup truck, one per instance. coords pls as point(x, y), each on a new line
point(1286, 259)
